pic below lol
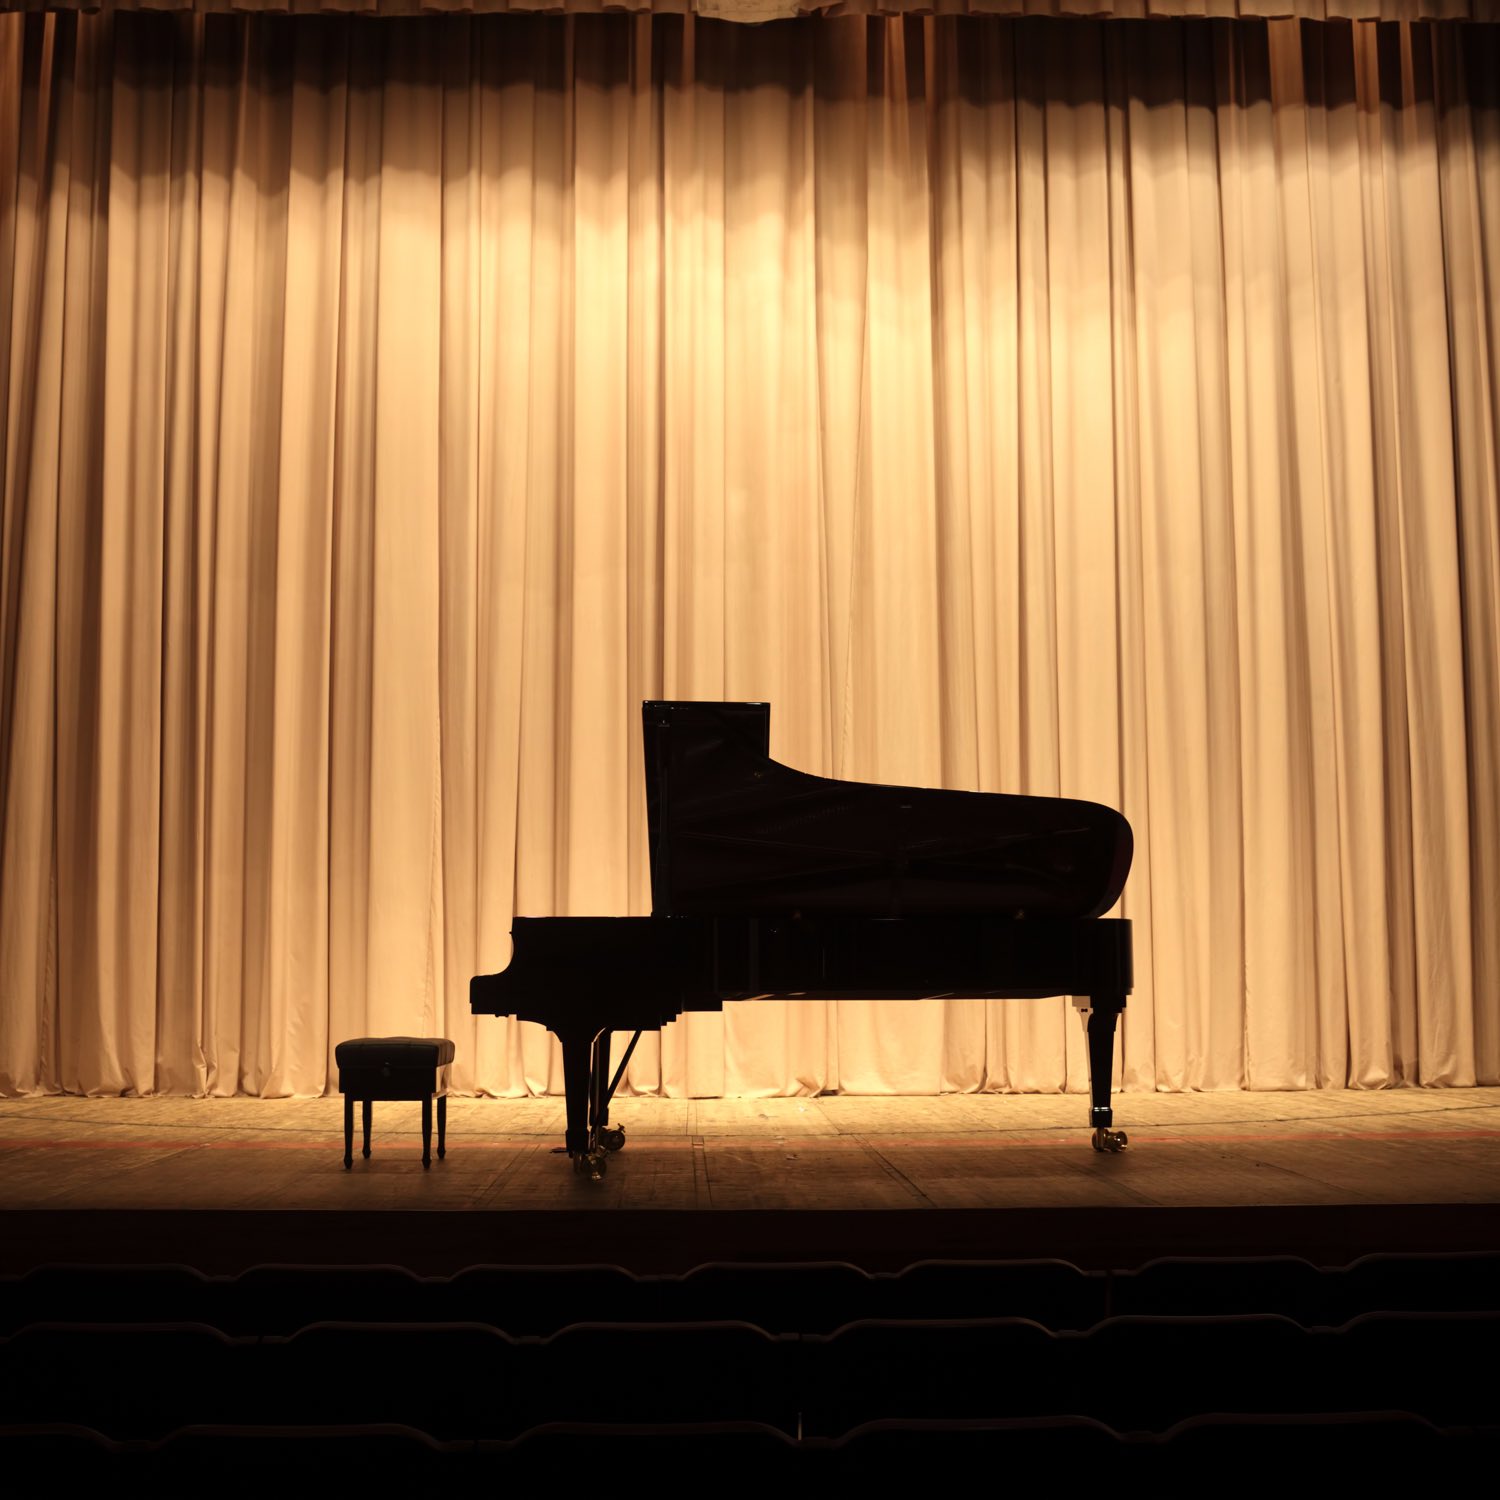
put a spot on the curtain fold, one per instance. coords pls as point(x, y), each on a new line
point(757, 11)
point(1070, 408)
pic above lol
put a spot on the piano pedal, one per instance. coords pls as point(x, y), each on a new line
point(1110, 1140)
point(612, 1139)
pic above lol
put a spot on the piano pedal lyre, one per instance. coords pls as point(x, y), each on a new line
point(604, 1138)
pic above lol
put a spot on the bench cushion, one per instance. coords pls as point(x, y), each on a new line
point(394, 1051)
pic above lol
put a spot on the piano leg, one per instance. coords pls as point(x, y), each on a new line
point(578, 1089)
point(1099, 1016)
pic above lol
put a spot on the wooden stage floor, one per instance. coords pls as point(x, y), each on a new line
point(224, 1182)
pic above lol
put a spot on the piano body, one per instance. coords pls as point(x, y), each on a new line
point(767, 882)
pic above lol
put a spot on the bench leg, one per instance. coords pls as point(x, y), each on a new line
point(442, 1126)
point(368, 1109)
point(427, 1130)
point(348, 1131)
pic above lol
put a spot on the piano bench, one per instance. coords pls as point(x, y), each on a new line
point(395, 1067)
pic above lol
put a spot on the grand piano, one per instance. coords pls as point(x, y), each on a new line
point(768, 882)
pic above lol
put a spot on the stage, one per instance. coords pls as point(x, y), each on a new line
point(881, 1182)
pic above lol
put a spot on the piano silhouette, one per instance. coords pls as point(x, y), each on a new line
point(767, 882)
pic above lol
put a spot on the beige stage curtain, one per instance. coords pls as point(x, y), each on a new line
point(757, 11)
point(1109, 410)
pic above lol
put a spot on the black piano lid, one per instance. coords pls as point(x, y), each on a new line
point(734, 832)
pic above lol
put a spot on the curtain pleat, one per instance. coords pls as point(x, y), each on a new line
point(1106, 410)
point(757, 11)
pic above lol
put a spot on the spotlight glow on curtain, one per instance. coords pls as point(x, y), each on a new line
point(1104, 409)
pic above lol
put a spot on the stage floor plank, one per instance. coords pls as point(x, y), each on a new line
point(837, 1153)
point(223, 1184)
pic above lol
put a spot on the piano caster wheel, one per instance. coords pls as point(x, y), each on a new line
point(612, 1139)
point(591, 1162)
point(1110, 1140)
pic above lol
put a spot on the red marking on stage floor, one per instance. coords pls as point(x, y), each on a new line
point(391, 1142)
point(98, 1145)
point(1326, 1137)
point(1069, 1139)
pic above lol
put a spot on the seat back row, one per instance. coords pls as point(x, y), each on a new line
point(468, 1381)
point(808, 1298)
point(883, 1452)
